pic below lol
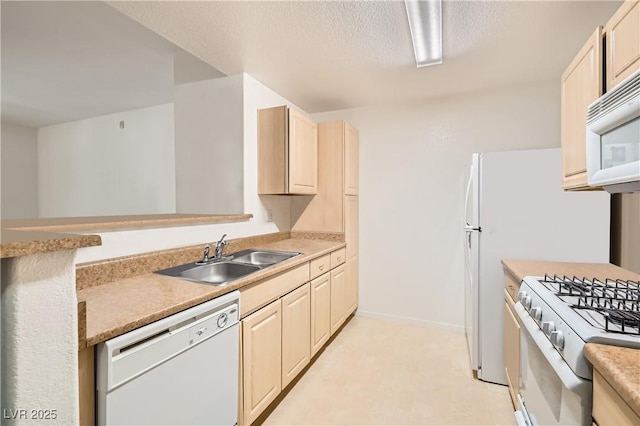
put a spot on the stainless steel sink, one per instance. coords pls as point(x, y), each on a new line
point(229, 268)
point(218, 273)
point(262, 257)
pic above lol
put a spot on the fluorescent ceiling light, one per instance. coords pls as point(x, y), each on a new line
point(425, 24)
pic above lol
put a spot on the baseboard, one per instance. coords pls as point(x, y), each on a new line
point(407, 320)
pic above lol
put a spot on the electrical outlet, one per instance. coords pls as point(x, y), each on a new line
point(269, 215)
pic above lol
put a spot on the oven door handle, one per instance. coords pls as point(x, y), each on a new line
point(522, 417)
point(570, 380)
point(520, 420)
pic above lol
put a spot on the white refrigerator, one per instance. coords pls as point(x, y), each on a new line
point(515, 208)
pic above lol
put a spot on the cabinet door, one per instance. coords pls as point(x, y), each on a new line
point(303, 154)
point(320, 312)
point(511, 349)
point(623, 43)
point(338, 304)
point(581, 84)
point(351, 225)
point(272, 150)
point(351, 292)
point(261, 359)
point(325, 211)
point(296, 333)
point(351, 143)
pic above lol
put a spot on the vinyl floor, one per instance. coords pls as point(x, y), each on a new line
point(378, 372)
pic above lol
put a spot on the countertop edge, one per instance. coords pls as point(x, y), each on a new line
point(18, 243)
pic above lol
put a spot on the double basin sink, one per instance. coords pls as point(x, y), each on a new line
point(229, 268)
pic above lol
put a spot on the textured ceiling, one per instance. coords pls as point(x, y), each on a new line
point(329, 55)
point(65, 61)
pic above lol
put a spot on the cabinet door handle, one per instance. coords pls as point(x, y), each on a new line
point(339, 258)
point(321, 267)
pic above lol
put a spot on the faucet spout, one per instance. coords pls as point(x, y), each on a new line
point(220, 246)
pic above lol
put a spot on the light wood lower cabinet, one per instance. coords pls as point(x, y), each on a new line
point(320, 312)
point(338, 293)
point(351, 291)
point(261, 359)
point(87, 385)
point(296, 333)
point(608, 406)
point(279, 339)
point(512, 348)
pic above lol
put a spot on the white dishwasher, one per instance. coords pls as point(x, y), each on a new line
point(180, 370)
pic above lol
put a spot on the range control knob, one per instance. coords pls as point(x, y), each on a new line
point(557, 339)
point(536, 313)
point(521, 294)
point(548, 327)
point(526, 302)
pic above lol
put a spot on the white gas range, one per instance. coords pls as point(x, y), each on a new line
point(559, 315)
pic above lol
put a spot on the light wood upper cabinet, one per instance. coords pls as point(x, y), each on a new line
point(623, 43)
point(287, 152)
point(261, 359)
point(351, 152)
point(512, 349)
point(581, 84)
point(320, 312)
point(296, 333)
point(338, 148)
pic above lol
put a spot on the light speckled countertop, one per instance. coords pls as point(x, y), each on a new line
point(120, 306)
point(621, 369)
point(16, 243)
point(22, 237)
point(522, 268)
point(619, 366)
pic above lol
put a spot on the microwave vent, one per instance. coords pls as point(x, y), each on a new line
point(621, 94)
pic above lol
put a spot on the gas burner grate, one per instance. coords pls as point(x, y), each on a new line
point(617, 300)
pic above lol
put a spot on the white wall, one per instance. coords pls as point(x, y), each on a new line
point(19, 171)
point(209, 145)
point(114, 244)
point(94, 168)
point(413, 160)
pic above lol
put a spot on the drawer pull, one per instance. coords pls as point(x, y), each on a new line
point(321, 267)
point(339, 258)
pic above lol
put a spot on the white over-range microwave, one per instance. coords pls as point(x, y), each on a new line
point(613, 138)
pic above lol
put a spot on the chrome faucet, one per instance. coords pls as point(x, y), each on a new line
point(219, 247)
point(217, 254)
point(205, 257)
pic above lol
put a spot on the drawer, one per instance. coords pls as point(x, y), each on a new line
point(265, 291)
point(511, 285)
point(338, 257)
point(319, 266)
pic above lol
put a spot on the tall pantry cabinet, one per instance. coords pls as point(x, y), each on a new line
point(335, 208)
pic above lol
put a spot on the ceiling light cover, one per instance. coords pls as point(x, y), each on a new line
point(425, 24)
